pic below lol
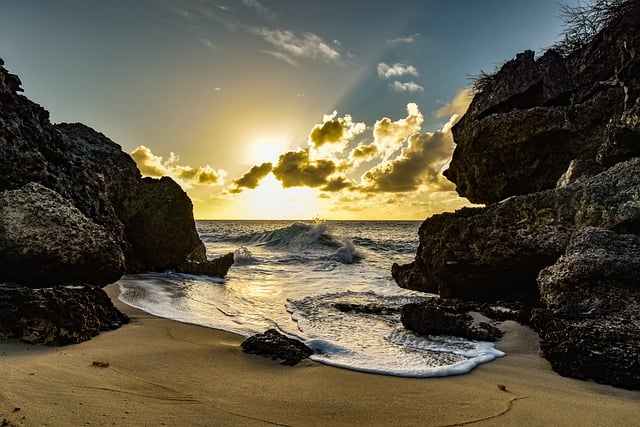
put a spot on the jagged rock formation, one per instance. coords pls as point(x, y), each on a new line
point(56, 316)
point(273, 344)
point(74, 209)
point(496, 252)
point(150, 220)
point(535, 116)
point(557, 140)
point(590, 326)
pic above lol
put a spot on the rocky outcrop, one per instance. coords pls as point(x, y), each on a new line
point(46, 239)
point(446, 317)
point(555, 140)
point(56, 316)
point(151, 221)
point(215, 268)
point(273, 344)
point(590, 324)
point(533, 116)
point(496, 252)
point(75, 209)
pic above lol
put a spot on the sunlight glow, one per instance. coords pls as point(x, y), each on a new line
point(266, 149)
point(272, 201)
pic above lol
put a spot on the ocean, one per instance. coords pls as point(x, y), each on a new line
point(308, 279)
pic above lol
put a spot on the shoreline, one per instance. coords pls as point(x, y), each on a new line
point(163, 372)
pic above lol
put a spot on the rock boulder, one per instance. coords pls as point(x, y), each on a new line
point(46, 239)
point(57, 315)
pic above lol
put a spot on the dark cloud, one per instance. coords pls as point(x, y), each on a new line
point(364, 151)
point(329, 132)
point(252, 178)
point(337, 184)
point(296, 169)
point(418, 164)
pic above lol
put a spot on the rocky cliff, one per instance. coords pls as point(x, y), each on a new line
point(551, 145)
point(533, 116)
point(150, 221)
point(75, 214)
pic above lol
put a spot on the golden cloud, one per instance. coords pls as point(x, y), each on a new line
point(155, 166)
point(458, 106)
point(296, 169)
point(252, 178)
point(420, 163)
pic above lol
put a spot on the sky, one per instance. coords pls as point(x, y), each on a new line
point(275, 109)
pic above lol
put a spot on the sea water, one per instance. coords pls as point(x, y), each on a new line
point(298, 277)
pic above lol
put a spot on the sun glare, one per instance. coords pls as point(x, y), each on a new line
point(271, 201)
point(266, 149)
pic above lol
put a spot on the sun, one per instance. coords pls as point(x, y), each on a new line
point(266, 149)
point(271, 201)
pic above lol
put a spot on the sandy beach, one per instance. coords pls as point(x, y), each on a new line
point(162, 372)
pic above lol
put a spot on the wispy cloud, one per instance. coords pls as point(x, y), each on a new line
point(404, 40)
point(396, 70)
point(259, 8)
point(292, 45)
point(155, 166)
point(400, 87)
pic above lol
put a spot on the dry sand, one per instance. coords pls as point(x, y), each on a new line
point(163, 372)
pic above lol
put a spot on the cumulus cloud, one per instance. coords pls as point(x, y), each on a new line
point(459, 104)
point(333, 134)
point(155, 166)
point(396, 70)
point(420, 163)
point(388, 136)
point(400, 87)
point(296, 169)
point(364, 152)
point(337, 184)
point(252, 178)
point(403, 40)
point(303, 46)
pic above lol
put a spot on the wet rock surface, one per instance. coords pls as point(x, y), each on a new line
point(217, 267)
point(447, 317)
point(273, 344)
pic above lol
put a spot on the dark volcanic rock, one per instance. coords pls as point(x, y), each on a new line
point(151, 221)
point(162, 232)
point(273, 344)
point(590, 326)
point(45, 239)
point(56, 316)
point(217, 267)
point(534, 116)
point(445, 317)
point(496, 252)
point(557, 139)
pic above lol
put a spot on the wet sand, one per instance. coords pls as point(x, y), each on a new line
point(162, 372)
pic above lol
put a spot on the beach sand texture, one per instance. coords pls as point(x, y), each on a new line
point(162, 372)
